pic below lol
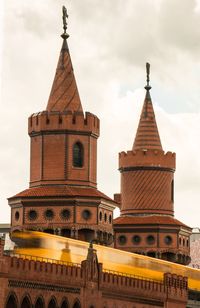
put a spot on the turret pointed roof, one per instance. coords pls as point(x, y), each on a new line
point(64, 94)
point(147, 136)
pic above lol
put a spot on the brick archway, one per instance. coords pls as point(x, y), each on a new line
point(39, 303)
point(52, 303)
point(26, 302)
point(64, 304)
point(11, 301)
point(76, 304)
point(86, 234)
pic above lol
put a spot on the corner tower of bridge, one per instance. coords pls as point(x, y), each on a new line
point(62, 197)
point(63, 137)
point(147, 194)
point(147, 169)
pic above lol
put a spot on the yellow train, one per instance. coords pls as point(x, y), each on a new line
point(53, 248)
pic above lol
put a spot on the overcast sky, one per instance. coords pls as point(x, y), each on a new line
point(110, 42)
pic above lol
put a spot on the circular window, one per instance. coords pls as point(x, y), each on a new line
point(122, 239)
point(105, 217)
point(168, 240)
point(150, 239)
point(49, 214)
point(136, 239)
point(110, 219)
point(32, 214)
point(86, 214)
point(65, 214)
point(17, 215)
point(100, 216)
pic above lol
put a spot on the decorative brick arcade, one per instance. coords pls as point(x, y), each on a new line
point(26, 284)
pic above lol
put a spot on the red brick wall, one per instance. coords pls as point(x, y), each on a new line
point(54, 149)
point(36, 158)
point(17, 222)
point(57, 219)
point(53, 157)
point(78, 174)
point(146, 191)
point(34, 278)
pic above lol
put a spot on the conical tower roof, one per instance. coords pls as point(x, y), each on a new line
point(64, 94)
point(147, 136)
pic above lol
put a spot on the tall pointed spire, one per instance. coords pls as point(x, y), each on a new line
point(147, 136)
point(64, 94)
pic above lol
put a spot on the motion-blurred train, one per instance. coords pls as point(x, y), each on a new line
point(53, 248)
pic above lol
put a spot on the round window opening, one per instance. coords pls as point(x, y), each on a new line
point(168, 240)
point(32, 214)
point(49, 214)
point(86, 214)
point(136, 239)
point(122, 239)
point(17, 215)
point(150, 239)
point(65, 214)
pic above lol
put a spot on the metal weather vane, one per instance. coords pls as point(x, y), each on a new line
point(65, 35)
point(148, 87)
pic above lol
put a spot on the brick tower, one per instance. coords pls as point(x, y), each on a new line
point(63, 196)
point(147, 224)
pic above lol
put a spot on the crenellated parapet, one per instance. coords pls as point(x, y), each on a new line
point(176, 287)
point(147, 158)
point(58, 139)
point(63, 121)
point(117, 281)
point(46, 270)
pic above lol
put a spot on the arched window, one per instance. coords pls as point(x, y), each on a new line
point(78, 155)
point(26, 303)
point(12, 302)
point(52, 303)
point(65, 304)
point(77, 304)
point(39, 303)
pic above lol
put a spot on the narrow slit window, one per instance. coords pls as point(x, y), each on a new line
point(172, 191)
point(78, 155)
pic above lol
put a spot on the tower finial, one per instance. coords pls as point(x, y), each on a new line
point(65, 35)
point(148, 87)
